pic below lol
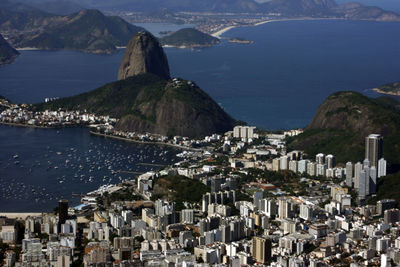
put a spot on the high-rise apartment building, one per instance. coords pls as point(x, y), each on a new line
point(349, 174)
point(373, 148)
point(330, 161)
point(62, 213)
point(381, 167)
point(261, 249)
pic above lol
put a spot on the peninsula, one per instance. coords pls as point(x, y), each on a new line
point(146, 100)
point(389, 89)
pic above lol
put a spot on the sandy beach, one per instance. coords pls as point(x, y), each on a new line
point(222, 31)
point(218, 34)
point(385, 92)
point(26, 48)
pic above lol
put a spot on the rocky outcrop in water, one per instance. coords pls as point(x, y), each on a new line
point(146, 100)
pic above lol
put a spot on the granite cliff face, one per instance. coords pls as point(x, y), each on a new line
point(7, 53)
point(144, 54)
point(145, 99)
point(342, 122)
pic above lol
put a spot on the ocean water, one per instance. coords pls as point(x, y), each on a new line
point(276, 83)
point(280, 81)
point(40, 166)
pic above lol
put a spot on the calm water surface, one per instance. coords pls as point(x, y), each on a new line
point(276, 83)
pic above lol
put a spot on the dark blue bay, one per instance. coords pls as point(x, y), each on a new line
point(276, 83)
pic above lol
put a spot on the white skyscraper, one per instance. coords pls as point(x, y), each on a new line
point(284, 164)
point(349, 174)
point(271, 207)
point(381, 167)
point(187, 216)
point(362, 185)
point(305, 212)
point(366, 163)
point(367, 180)
point(302, 166)
point(321, 169)
point(311, 168)
point(243, 132)
point(320, 158)
point(293, 166)
point(330, 161)
point(357, 171)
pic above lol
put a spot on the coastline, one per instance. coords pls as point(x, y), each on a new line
point(143, 142)
point(28, 125)
point(103, 135)
point(27, 48)
point(222, 31)
point(379, 91)
point(218, 34)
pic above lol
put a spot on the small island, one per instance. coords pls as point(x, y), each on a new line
point(389, 89)
point(189, 38)
point(240, 41)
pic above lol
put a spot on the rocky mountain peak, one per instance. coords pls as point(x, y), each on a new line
point(144, 54)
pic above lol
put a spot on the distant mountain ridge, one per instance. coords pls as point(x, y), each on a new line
point(342, 122)
point(57, 7)
point(88, 30)
point(291, 8)
point(7, 53)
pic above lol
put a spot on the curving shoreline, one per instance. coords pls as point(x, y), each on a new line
point(28, 125)
point(218, 33)
point(103, 135)
point(143, 142)
point(386, 92)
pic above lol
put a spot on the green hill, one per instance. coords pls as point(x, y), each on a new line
point(7, 53)
point(388, 188)
point(343, 121)
point(148, 103)
point(88, 31)
point(146, 100)
point(189, 37)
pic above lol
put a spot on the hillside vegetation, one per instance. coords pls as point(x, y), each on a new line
point(343, 121)
point(180, 189)
point(388, 188)
point(189, 37)
point(148, 103)
point(88, 30)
